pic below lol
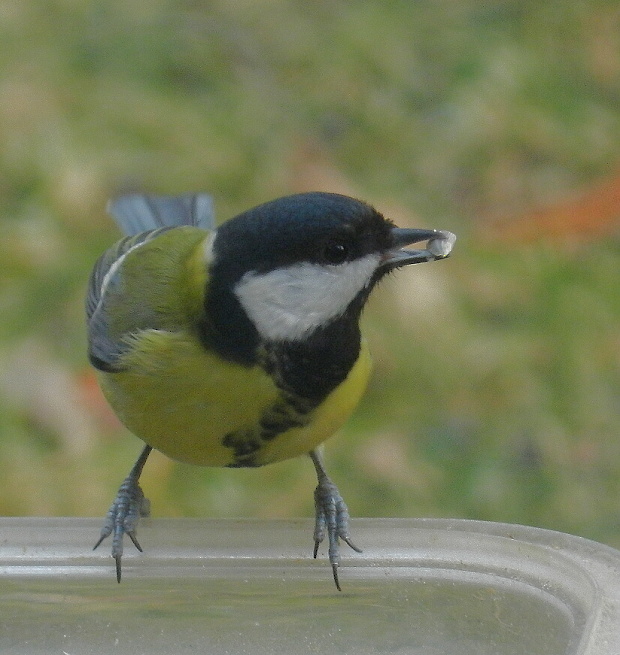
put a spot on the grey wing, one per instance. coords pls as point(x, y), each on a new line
point(139, 212)
point(104, 349)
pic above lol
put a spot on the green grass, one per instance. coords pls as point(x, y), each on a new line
point(497, 378)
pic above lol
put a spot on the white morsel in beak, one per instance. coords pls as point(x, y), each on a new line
point(442, 246)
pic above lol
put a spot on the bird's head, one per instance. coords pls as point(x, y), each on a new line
point(300, 262)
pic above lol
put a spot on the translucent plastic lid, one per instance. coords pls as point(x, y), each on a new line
point(433, 587)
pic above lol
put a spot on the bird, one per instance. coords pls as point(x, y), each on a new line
point(239, 344)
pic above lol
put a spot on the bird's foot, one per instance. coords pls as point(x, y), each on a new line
point(122, 518)
point(332, 518)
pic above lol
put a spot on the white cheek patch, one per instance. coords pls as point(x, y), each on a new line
point(288, 303)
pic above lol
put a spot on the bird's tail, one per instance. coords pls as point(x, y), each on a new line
point(138, 212)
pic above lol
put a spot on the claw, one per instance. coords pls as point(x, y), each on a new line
point(125, 512)
point(118, 568)
point(335, 572)
point(101, 538)
point(132, 536)
point(350, 544)
point(332, 517)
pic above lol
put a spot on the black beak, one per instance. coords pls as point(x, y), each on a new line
point(439, 246)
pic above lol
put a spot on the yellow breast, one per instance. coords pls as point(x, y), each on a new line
point(184, 401)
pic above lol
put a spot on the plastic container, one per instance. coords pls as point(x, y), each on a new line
point(433, 587)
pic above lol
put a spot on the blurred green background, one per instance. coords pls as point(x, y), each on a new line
point(497, 381)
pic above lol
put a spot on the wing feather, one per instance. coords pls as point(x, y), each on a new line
point(104, 350)
point(142, 217)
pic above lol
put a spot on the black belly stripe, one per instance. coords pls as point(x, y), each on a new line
point(276, 420)
point(305, 374)
point(280, 418)
point(244, 444)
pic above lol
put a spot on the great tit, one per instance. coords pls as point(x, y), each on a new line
point(240, 345)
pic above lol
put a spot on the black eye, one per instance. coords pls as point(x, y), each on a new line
point(335, 252)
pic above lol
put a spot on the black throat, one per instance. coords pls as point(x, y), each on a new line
point(309, 369)
point(314, 367)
